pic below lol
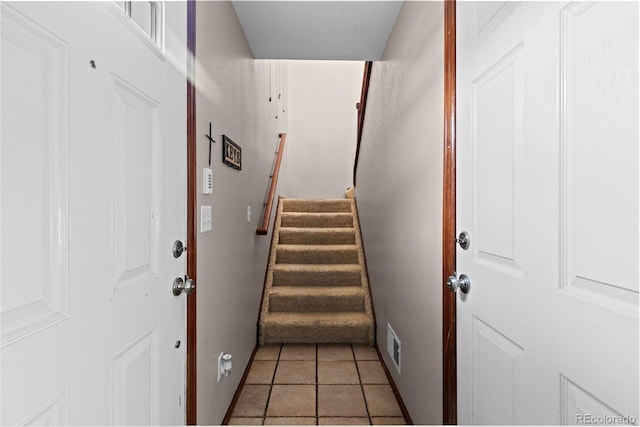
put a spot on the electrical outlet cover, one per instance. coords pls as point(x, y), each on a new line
point(205, 218)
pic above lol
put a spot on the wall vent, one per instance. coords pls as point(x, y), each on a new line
point(393, 347)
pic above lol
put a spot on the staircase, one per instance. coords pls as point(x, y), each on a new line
point(316, 289)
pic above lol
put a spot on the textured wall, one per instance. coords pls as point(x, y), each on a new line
point(321, 142)
point(233, 91)
point(399, 196)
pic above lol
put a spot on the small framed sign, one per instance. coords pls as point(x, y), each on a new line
point(231, 153)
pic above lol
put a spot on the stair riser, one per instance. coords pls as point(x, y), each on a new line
point(356, 334)
point(314, 278)
point(316, 293)
point(338, 256)
point(317, 221)
point(313, 303)
point(312, 237)
point(316, 206)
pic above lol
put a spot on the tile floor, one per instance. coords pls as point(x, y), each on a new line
point(323, 384)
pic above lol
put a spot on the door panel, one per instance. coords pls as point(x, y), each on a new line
point(598, 57)
point(134, 177)
point(92, 115)
point(134, 383)
point(498, 364)
point(547, 177)
point(497, 138)
point(35, 73)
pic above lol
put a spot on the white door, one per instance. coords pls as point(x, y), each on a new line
point(93, 194)
point(547, 177)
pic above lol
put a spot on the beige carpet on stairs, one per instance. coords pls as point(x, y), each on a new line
point(316, 289)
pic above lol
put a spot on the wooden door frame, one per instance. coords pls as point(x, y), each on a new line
point(191, 386)
point(449, 359)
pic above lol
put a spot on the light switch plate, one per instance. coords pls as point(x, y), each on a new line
point(205, 218)
point(207, 181)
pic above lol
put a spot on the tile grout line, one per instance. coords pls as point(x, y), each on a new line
point(364, 397)
point(273, 377)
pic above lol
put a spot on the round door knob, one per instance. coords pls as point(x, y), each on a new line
point(178, 286)
point(189, 285)
point(463, 283)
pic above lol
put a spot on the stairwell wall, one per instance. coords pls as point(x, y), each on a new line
point(322, 97)
point(232, 93)
point(399, 197)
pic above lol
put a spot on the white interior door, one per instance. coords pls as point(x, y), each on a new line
point(547, 177)
point(93, 194)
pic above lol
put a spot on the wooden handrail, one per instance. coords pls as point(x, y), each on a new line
point(362, 108)
point(266, 217)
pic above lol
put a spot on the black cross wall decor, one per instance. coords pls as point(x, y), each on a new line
point(211, 141)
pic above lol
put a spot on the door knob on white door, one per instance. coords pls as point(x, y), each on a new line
point(463, 283)
point(187, 285)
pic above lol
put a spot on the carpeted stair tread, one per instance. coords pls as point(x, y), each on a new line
point(317, 299)
point(317, 220)
point(316, 274)
point(317, 236)
point(316, 287)
point(328, 327)
point(316, 254)
point(315, 205)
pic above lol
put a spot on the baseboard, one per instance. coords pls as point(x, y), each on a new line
point(396, 392)
point(236, 395)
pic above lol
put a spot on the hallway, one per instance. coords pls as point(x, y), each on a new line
point(323, 384)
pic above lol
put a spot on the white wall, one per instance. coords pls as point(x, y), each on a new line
point(232, 92)
point(321, 142)
point(399, 196)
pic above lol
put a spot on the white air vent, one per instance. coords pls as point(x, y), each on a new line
point(393, 347)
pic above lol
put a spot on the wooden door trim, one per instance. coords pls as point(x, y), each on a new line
point(191, 386)
point(449, 359)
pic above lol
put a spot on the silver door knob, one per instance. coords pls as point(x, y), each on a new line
point(463, 283)
point(187, 285)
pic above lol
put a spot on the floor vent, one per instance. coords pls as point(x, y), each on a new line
point(393, 347)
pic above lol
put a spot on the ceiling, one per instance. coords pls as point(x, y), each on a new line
point(324, 30)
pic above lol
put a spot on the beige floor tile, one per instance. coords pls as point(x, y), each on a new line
point(341, 401)
point(295, 372)
point(252, 401)
point(298, 352)
point(335, 352)
point(365, 352)
point(261, 372)
point(268, 352)
point(292, 401)
point(372, 372)
point(388, 421)
point(337, 372)
point(238, 421)
point(343, 421)
point(290, 421)
point(381, 401)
